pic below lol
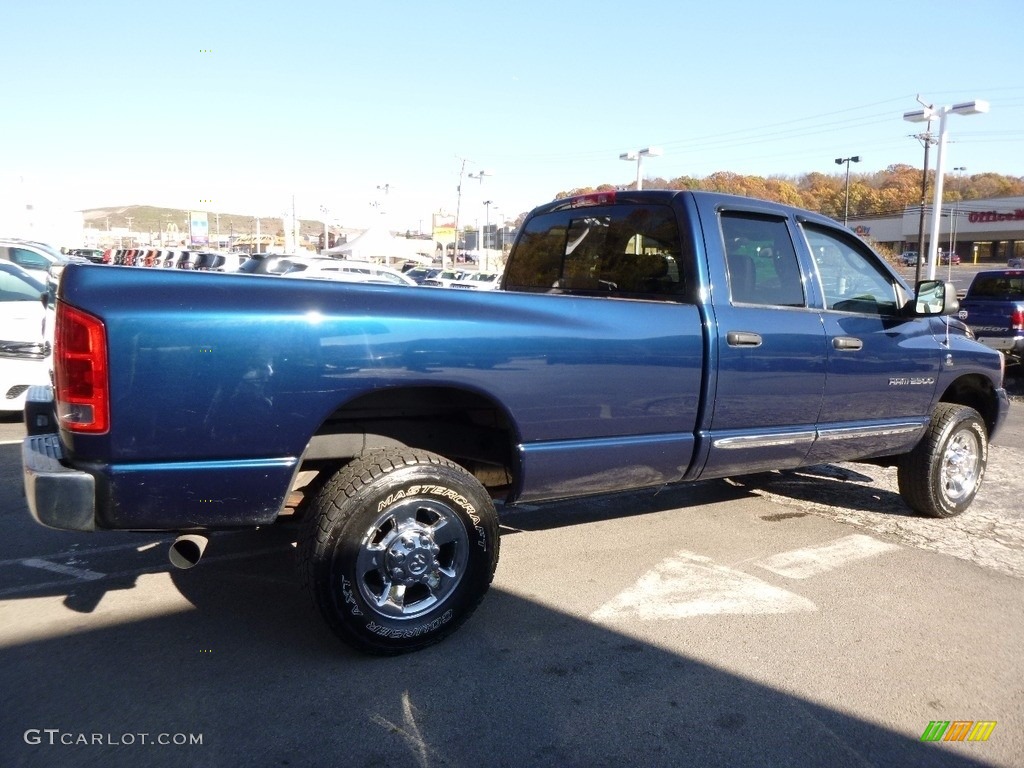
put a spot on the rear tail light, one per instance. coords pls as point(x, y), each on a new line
point(1017, 320)
point(80, 371)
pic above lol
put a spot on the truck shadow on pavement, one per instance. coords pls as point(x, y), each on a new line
point(831, 485)
point(245, 664)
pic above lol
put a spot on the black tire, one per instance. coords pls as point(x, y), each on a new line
point(941, 476)
point(399, 549)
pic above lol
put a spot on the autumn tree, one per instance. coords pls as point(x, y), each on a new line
point(882, 193)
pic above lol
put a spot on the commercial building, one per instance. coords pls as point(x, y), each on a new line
point(986, 231)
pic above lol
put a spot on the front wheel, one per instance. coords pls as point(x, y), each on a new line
point(399, 549)
point(941, 476)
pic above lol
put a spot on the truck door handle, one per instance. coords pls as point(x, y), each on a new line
point(847, 343)
point(743, 339)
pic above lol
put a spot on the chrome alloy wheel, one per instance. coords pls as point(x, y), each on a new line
point(961, 463)
point(412, 558)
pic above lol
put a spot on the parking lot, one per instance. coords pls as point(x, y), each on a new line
point(799, 618)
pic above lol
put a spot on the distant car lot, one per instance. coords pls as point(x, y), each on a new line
point(24, 350)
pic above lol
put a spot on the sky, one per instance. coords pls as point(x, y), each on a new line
point(376, 111)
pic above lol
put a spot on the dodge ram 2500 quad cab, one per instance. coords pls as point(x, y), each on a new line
point(638, 339)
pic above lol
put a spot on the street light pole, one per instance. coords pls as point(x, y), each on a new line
point(956, 211)
point(480, 177)
point(847, 160)
point(327, 244)
point(458, 208)
point(487, 225)
point(639, 156)
point(922, 115)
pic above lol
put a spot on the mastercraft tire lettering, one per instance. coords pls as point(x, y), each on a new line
point(399, 549)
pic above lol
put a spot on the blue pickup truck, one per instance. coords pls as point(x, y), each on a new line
point(638, 339)
point(993, 309)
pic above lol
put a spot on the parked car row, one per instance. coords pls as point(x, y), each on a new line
point(289, 265)
point(345, 270)
point(348, 270)
point(912, 258)
point(455, 278)
point(173, 259)
point(481, 281)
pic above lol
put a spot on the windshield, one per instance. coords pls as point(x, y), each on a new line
point(51, 251)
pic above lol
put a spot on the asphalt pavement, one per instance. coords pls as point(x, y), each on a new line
point(783, 619)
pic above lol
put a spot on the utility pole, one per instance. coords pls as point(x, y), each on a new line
point(458, 206)
point(295, 228)
point(327, 235)
point(926, 139)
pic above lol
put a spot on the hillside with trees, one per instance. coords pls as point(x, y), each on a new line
point(882, 193)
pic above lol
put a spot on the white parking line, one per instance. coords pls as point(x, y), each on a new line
point(803, 563)
point(688, 584)
point(62, 583)
point(138, 547)
point(82, 574)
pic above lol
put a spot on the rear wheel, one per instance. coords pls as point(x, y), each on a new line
point(399, 549)
point(941, 476)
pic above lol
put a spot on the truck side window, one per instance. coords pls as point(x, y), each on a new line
point(851, 279)
point(622, 251)
point(761, 260)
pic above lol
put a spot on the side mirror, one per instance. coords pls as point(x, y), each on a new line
point(934, 297)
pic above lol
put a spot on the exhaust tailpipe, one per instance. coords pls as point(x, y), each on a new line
point(187, 550)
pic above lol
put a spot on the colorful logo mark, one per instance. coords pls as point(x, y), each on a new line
point(958, 730)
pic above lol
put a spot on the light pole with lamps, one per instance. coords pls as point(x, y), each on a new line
point(382, 209)
point(480, 177)
point(639, 156)
point(847, 160)
point(458, 210)
point(487, 220)
point(485, 251)
point(324, 211)
point(923, 115)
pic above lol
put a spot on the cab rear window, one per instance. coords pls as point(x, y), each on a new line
point(1009, 287)
point(624, 251)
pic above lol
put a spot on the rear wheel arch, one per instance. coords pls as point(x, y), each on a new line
point(465, 426)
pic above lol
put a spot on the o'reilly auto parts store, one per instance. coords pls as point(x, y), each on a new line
point(988, 231)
